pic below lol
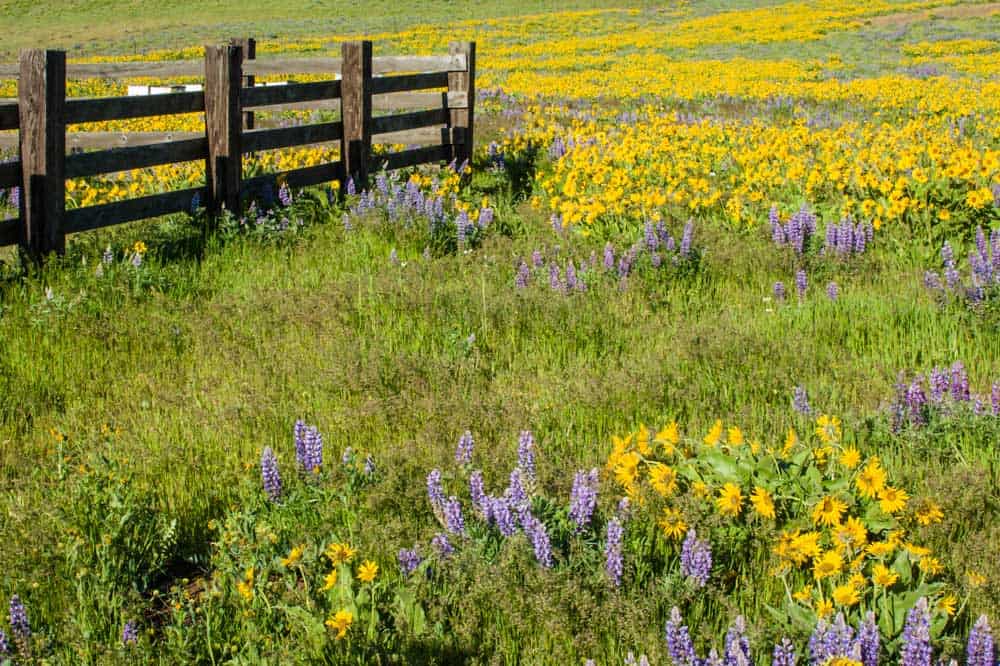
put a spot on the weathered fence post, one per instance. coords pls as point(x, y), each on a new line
point(356, 111)
point(223, 126)
point(41, 104)
point(249, 46)
point(462, 124)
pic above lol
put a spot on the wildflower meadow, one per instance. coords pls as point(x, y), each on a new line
point(695, 363)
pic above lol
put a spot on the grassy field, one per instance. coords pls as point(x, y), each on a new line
point(144, 374)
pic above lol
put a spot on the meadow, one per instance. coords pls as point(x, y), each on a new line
point(696, 363)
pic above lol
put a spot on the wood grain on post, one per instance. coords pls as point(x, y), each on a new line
point(249, 46)
point(356, 111)
point(41, 102)
point(462, 118)
point(223, 126)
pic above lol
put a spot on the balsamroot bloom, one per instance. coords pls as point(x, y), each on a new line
point(613, 551)
point(696, 559)
point(270, 477)
point(916, 649)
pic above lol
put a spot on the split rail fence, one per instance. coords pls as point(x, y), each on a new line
point(42, 113)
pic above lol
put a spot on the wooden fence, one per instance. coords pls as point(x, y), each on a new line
point(42, 113)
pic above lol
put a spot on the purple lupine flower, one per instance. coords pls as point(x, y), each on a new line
point(583, 498)
point(916, 399)
point(656, 260)
point(536, 259)
point(649, 235)
point(517, 496)
point(523, 274)
point(980, 648)
point(442, 545)
point(313, 449)
point(680, 647)
point(932, 281)
point(462, 225)
point(737, 645)
point(696, 559)
point(137, 259)
point(485, 217)
point(832, 640)
point(940, 383)
point(435, 493)
point(555, 284)
point(130, 633)
point(557, 223)
point(869, 640)
point(613, 551)
point(777, 230)
point(685, 248)
point(4, 646)
point(832, 290)
point(861, 237)
point(526, 456)
point(20, 628)
point(270, 477)
point(409, 560)
point(369, 468)
point(299, 432)
point(535, 531)
point(801, 283)
point(800, 400)
point(713, 659)
point(463, 452)
point(779, 291)
point(571, 282)
point(784, 654)
point(959, 382)
point(609, 256)
point(503, 518)
point(285, 195)
point(624, 509)
point(477, 492)
point(916, 649)
point(995, 399)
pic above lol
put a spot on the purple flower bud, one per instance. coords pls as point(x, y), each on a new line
point(980, 647)
point(502, 516)
point(959, 382)
point(526, 456)
point(270, 477)
point(609, 256)
point(832, 290)
point(916, 648)
point(409, 560)
point(779, 291)
point(680, 647)
point(932, 281)
point(686, 239)
point(523, 274)
point(435, 493)
point(737, 645)
point(442, 545)
point(536, 259)
point(535, 531)
point(696, 559)
point(784, 654)
point(869, 640)
point(801, 283)
point(613, 551)
point(463, 452)
point(20, 628)
point(583, 498)
point(800, 400)
point(130, 633)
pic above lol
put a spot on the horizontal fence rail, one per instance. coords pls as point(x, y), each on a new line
point(429, 99)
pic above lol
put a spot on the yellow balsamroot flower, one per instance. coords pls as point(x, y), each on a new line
point(842, 661)
point(871, 480)
point(672, 523)
point(139, 247)
point(663, 478)
point(854, 531)
point(824, 608)
point(915, 550)
point(668, 437)
point(929, 513)
point(701, 489)
point(339, 552)
point(293, 557)
point(931, 566)
point(828, 511)
point(330, 580)
point(340, 622)
point(883, 576)
point(714, 435)
point(804, 595)
point(367, 571)
point(975, 579)
point(245, 587)
point(892, 500)
point(828, 564)
point(729, 500)
point(946, 604)
point(828, 428)
point(850, 457)
point(762, 502)
point(791, 441)
point(642, 441)
point(846, 595)
point(735, 436)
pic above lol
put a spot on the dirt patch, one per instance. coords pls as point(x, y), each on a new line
point(956, 11)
